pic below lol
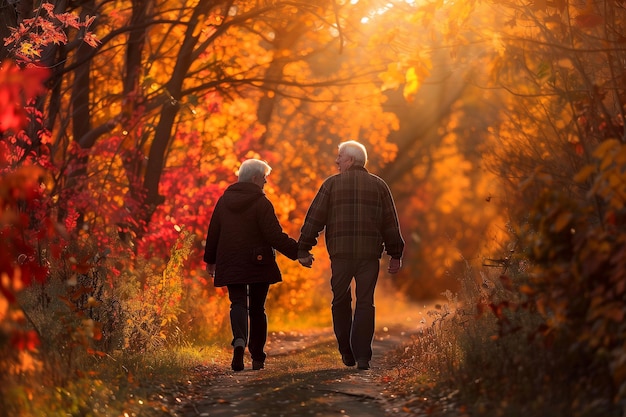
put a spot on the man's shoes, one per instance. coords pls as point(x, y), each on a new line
point(237, 363)
point(363, 365)
point(348, 359)
point(256, 365)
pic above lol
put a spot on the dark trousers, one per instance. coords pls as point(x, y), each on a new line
point(248, 301)
point(354, 332)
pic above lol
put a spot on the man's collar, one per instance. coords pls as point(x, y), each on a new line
point(357, 168)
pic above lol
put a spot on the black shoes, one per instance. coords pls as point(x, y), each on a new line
point(237, 363)
point(348, 359)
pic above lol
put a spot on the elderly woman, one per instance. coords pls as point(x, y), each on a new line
point(243, 235)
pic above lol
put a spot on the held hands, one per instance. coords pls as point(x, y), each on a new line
point(306, 261)
point(394, 265)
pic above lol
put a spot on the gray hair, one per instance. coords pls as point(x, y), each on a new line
point(355, 150)
point(253, 167)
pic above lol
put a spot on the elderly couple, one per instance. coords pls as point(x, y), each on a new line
point(358, 212)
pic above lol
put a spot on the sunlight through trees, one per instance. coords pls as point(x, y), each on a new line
point(123, 121)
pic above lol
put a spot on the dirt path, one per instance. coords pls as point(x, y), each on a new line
point(304, 376)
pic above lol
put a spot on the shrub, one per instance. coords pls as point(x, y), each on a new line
point(545, 336)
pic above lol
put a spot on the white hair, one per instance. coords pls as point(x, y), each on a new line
point(251, 168)
point(355, 150)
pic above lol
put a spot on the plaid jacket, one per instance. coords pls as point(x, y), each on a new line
point(359, 215)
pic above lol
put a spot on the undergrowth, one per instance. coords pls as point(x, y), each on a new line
point(121, 385)
point(108, 336)
point(115, 336)
point(482, 357)
point(544, 334)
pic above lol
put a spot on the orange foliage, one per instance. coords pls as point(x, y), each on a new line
point(576, 281)
point(555, 107)
point(478, 124)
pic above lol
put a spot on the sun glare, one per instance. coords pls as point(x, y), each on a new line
point(381, 10)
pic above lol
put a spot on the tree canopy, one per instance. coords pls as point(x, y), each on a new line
point(501, 138)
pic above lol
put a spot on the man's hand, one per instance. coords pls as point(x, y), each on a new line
point(306, 261)
point(394, 265)
point(210, 268)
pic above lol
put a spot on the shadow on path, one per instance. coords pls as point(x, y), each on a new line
point(304, 376)
point(302, 379)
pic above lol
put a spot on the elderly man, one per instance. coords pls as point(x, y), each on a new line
point(359, 214)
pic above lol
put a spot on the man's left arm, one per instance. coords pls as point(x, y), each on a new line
point(394, 244)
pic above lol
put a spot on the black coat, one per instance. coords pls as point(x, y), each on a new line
point(244, 226)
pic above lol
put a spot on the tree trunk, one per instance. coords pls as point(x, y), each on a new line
point(165, 127)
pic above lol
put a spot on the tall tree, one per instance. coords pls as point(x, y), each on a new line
point(170, 57)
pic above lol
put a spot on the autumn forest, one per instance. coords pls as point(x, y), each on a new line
point(498, 125)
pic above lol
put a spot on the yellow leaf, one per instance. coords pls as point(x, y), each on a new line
point(392, 78)
point(29, 50)
point(565, 63)
point(562, 221)
point(604, 147)
point(584, 174)
point(412, 84)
